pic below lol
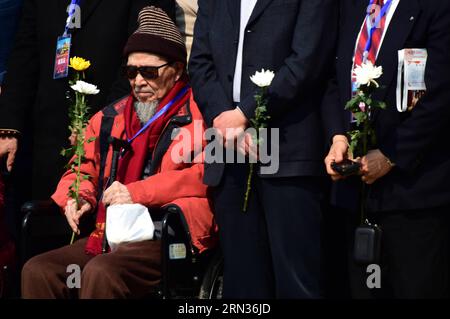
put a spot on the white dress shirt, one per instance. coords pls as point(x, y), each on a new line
point(247, 7)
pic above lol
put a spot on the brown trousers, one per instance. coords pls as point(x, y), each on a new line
point(132, 271)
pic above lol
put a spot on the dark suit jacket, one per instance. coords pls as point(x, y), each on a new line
point(9, 15)
point(294, 38)
point(417, 141)
point(30, 91)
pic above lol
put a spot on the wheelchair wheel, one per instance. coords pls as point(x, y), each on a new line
point(212, 283)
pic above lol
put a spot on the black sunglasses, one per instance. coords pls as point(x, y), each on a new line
point(147, 72)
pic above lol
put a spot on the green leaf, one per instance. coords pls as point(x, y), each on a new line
point(349, 105)
point(360, 117)
point(353, 145)
point(379, 104)
point(364, 137)
point(353, 104)
point(72, 194)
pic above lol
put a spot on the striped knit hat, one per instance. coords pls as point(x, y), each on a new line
point(157, 34)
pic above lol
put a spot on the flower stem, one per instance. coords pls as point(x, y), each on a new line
point(77, 183)
point(365, 141)
point(363, 202)
point(79, 150)
point(365, 136)
point(72, 238)
point(249, 187)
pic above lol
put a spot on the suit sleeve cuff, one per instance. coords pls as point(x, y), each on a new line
point(248, 106)
point(239, 109)
point(404, 163)
point(211, 114)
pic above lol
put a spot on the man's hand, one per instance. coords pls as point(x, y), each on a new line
point(374, 166)
point(8, 146)
point(230, 125)
point(73, 215)
point(247, 146)
point(338, 152)
point(117, 193)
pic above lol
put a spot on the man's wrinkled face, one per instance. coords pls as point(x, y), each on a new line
point(146, 89)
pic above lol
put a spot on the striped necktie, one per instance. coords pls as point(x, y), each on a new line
point(373, 12)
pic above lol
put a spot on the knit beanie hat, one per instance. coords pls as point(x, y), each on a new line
point(157, 34)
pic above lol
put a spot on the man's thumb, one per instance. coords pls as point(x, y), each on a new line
point(338, 156)
point(85, 208)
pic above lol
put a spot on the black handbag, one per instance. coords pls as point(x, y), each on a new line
point(367, 245)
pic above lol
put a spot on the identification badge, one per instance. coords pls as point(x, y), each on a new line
point(62, 55)
point(410, 78)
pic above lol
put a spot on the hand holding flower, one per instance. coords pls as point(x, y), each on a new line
point(73, 214)
point(247, 146)
point(229, 125)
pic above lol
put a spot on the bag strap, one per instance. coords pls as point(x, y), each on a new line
point(109, 113)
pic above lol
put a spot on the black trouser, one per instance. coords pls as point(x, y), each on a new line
point(415, 255)
point(273, 249)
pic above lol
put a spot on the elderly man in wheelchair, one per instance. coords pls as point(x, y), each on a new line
point(133, 161)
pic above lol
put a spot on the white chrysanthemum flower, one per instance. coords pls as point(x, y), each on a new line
point(85, 88)
point(366, 73)
point(263, 78)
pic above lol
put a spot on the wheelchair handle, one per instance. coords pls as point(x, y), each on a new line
point(117, 145)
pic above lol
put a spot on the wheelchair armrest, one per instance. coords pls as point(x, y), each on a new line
point(183, 267)
point(42, 207)
point(39, 218)
point(178, 255)
point(174, 227)
point(44, 227)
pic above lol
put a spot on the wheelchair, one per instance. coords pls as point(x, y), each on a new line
point(186, 274)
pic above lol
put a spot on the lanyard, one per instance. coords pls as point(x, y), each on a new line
point(72, 5)
point(160, 113)
point(372, 29)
